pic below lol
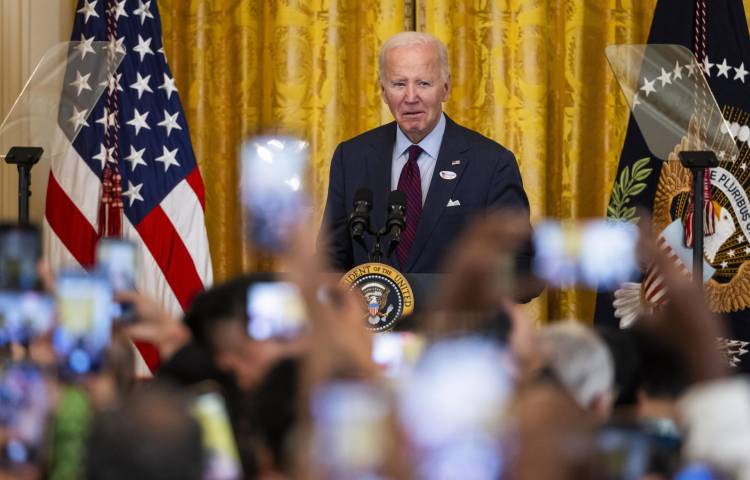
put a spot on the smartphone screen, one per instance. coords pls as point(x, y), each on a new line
point(24, 408)
point(222, 458)
point(85, 309)
point(453, 407)
point(593, 254)
point(397, 352)
point(275, 310)
point(20, 249)
point(622, 453)
point(25, 315)
point(116, 258)
point(350, 429)
point(272, 189)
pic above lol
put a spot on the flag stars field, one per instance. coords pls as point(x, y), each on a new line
point(81, 83)
point(139, 121)
point(168, 158)
point(723, 69)
point(133, 192)
point(78, 118)
point(118, 10)
point(88, 10)
point(170, 122)
point(143, 11)
point(107, 118)
point(161, 198)
point(740, 72)
point(168, 86)
point(113, 83)
point(135, 158)
point(117, 45)
point(85, 46)
point(104, 155)
point(141, 85)
point(677, 72)
point(648, 86)
point(665, 78)
point(669, 77)
point(144, 47)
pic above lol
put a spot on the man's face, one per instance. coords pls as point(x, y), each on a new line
point(414, 89)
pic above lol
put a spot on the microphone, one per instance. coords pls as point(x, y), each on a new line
point(359, 220)
point(395, 222)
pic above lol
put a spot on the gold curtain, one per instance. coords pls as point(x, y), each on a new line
point(533, 76)
point(244, 67)
point(530, 74)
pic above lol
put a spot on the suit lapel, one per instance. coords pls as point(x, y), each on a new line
point(452, 147)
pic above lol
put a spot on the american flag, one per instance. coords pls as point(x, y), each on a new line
point(131, 171)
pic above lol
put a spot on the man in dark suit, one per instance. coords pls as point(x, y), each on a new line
point(448, 173)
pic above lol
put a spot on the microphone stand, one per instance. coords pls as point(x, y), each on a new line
point(698, 162)
point(24, 158)
point(376, 254)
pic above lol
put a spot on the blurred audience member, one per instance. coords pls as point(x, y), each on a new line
point(581, 362)
point(150, 436)
point(275, 418)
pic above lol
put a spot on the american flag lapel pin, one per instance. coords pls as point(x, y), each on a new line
point(456, 162)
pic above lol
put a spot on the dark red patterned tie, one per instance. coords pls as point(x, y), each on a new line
point(410, 182)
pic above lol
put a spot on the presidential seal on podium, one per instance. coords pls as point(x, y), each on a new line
point(386, 294)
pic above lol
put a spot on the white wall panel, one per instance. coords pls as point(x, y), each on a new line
point(27, 29)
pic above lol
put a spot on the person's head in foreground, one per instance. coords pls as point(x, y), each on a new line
point(151, 436)
point(582, 363)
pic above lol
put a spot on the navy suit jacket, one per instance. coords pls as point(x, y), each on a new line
point(487, 177)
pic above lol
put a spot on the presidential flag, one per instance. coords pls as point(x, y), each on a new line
point(716, 32)
point(131, 171)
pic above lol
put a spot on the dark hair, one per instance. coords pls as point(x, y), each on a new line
point(151, 436)
point(623, 347)
point(663, 375)
point(220, 303)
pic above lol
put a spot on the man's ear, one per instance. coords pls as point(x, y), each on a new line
point(382, 90)
point(446, 89)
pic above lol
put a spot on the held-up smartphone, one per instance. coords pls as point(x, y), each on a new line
point(636, 450)
point(24, 315)
point(396, 352)
point(85, 310)
point(350, 425)
point(222, 460)
point(24, 409)
point(272, 187)
point(20, 249)
point(593, 254)
point(116, 259)
point(453, 407)
point(275, 310)
point(622, 453)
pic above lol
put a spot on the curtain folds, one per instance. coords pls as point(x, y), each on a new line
point(533, 76)
point(246, 67)
point(530, 74)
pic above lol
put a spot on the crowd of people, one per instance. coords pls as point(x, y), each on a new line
point(486, 392)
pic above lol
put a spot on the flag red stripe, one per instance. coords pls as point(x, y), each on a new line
point(196, 183)
point(69, 224)
point(171, 254)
